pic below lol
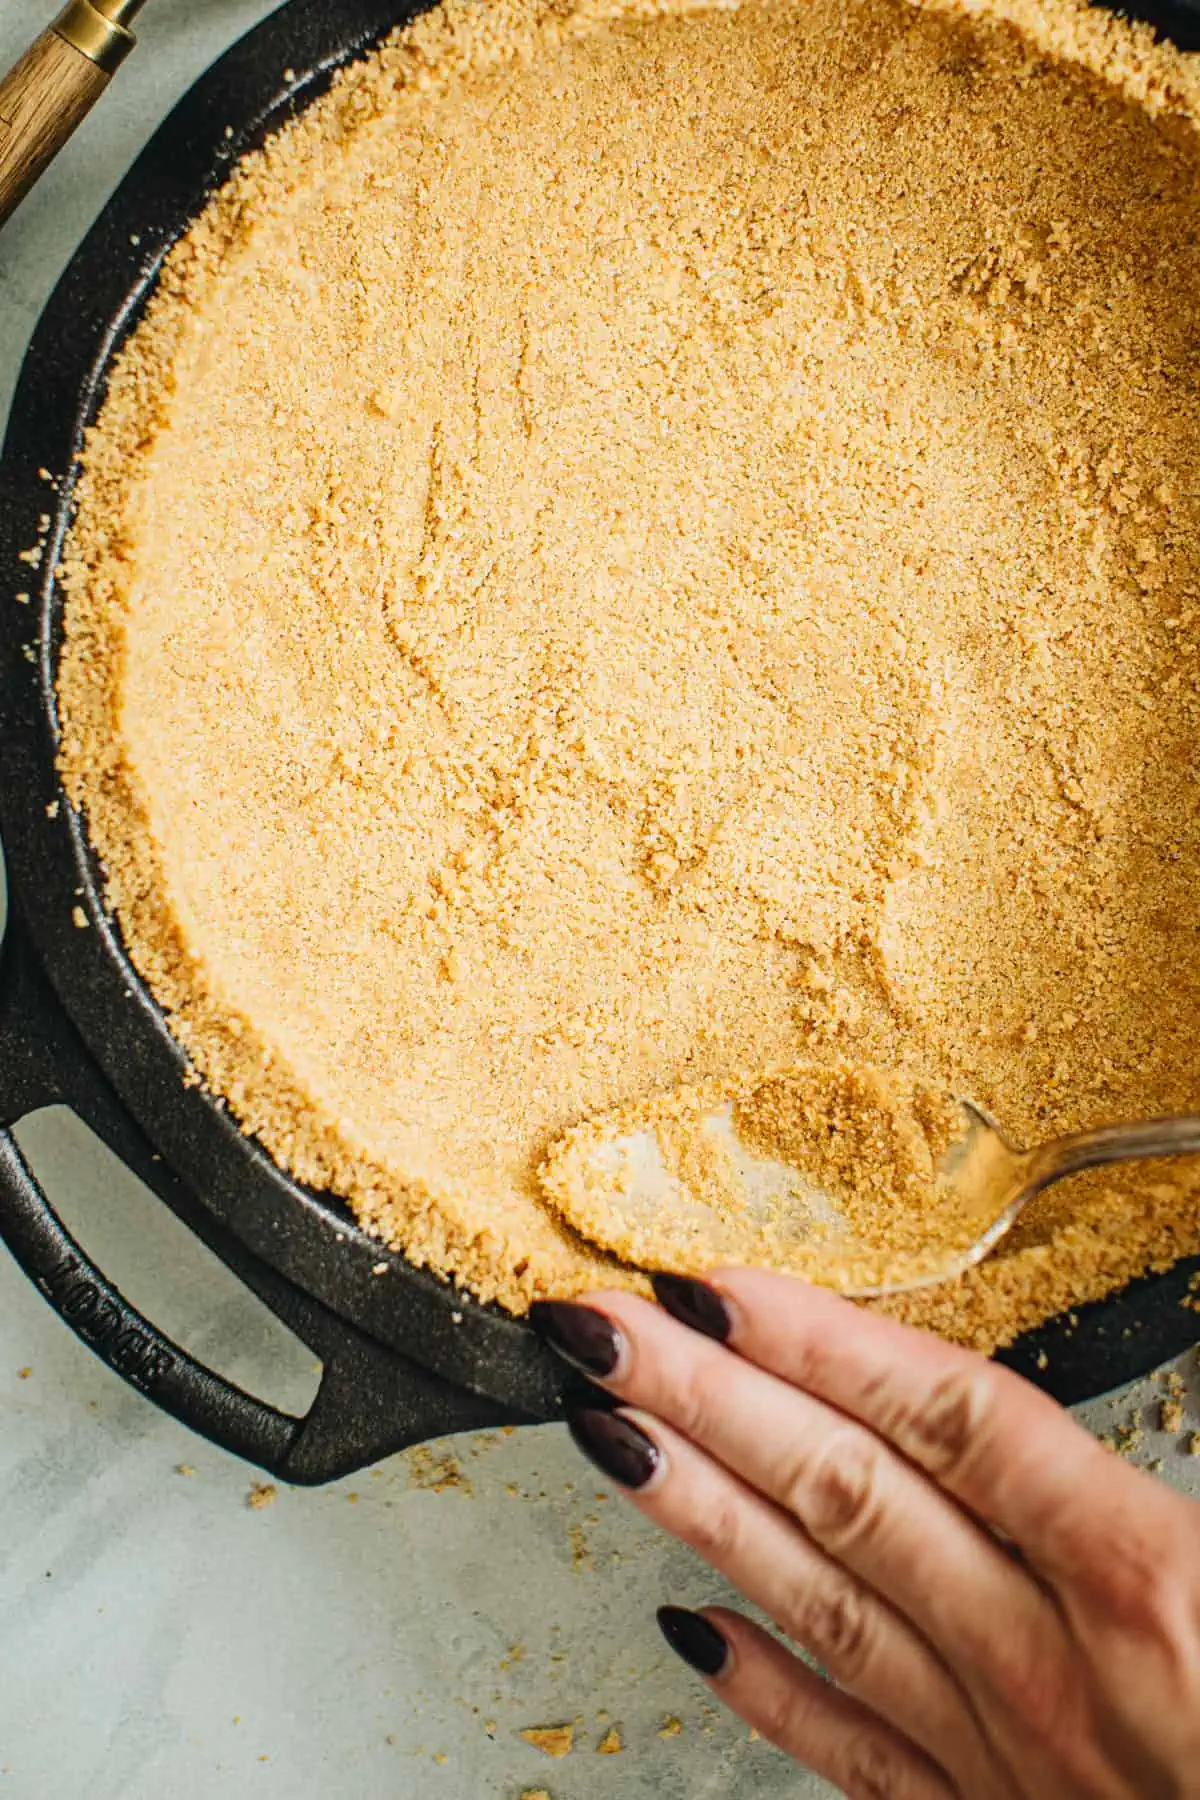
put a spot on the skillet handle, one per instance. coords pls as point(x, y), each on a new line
point(140, 1353)
point(371, 1401)
point(53, 87)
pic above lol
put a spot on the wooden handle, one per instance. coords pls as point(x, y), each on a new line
point(42, 100)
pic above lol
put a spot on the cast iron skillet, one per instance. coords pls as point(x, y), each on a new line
point(405, 1356)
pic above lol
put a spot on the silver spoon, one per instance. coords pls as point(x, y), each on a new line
point(998, 1181)
point(619, 1191)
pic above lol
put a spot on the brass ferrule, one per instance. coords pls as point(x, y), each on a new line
point(101, 36)
point(121, 12)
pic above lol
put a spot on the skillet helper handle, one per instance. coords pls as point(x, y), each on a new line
point(371, 1401)
point(40, 1059)
point(53, 87)
point(130, 1345)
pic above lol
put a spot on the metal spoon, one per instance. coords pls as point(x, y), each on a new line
point(617, 1190)
point(998, 1181)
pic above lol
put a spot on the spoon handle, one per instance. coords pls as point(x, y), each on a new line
point(53, 87)
point(1178, 1135)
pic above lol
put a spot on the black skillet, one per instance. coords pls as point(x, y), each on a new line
point(405, 1356)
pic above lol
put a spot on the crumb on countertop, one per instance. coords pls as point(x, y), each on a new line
point(551, 1740)
point(436, 1472)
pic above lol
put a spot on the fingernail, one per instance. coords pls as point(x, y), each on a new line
point(694, 1304)
point(579, 1334)
point(618, 1447)
point(692, 1637)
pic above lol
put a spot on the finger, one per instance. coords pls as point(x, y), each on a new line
point(861, 1502)
point(866, 1647)
point(1003, 1449)
point(829, 1732)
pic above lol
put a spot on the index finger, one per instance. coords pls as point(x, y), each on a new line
point(1006, 1451)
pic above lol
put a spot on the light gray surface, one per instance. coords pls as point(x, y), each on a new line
point(157, 1636)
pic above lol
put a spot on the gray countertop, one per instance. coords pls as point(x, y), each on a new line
point(391, 1634)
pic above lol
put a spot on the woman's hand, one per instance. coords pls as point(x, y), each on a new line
point(1004, 1608)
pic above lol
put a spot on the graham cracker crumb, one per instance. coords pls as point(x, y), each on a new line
point(654, 652)
point(611, 1744)
point(262, 1494)
point(1171, 1415)
point(436, 1472)
point(670, 1728)
point(551, 1740)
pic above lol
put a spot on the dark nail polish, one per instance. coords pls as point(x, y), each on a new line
point(583, 1337)
point(579, 1394)
point(692, 1637)
point(618, 1447)
point(694, 1304)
